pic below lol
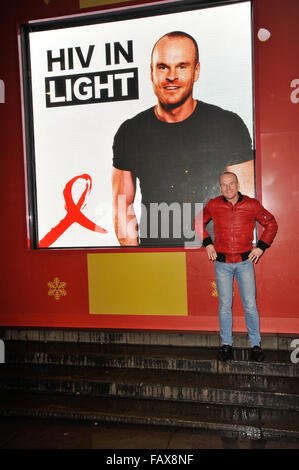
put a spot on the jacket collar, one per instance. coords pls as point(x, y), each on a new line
point(239, 199)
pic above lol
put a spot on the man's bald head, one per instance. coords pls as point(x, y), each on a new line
point(178, 35)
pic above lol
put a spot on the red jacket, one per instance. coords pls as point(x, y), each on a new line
point(234, 225)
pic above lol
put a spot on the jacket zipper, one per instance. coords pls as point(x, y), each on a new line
point(232, 229)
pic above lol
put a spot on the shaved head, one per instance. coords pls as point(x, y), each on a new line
point(228, 173)
point(177, 35)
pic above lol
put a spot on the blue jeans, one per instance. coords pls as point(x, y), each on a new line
point(244, 273)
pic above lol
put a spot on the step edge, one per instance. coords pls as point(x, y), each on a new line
point(216, 366)
point(251, 432)
point(280, 341)
point(286, 402)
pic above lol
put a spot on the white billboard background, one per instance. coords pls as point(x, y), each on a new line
point(77, 139)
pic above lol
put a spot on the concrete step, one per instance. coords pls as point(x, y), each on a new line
point(277, 362)
point(279, 342)
point(180, 386)
point(227, 420)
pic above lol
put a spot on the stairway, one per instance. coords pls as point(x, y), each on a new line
point(151, 378)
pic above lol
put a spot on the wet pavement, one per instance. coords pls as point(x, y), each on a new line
point(25, 433)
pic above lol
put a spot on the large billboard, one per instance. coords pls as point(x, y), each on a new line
point(130, 118)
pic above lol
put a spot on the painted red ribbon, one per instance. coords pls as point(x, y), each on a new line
point(74, 213)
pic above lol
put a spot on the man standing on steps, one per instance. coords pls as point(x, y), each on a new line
point(234, 216)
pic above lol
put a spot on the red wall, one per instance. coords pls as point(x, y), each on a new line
point(25, 274)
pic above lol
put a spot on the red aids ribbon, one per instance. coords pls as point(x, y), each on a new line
point(74, 213)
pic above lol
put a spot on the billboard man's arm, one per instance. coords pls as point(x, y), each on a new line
point(124, 218)
point(245, 174)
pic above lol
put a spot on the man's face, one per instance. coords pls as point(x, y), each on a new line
point(229, 186)
point(174, 70)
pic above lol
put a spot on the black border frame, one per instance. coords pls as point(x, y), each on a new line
point(113, 14)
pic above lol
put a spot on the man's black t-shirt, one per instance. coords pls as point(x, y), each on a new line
point(179, 163)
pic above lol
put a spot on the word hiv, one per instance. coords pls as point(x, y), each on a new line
point(74, 213)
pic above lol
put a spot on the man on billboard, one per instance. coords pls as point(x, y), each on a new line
point(175, 149)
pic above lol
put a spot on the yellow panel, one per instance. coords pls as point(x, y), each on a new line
point(137, 284)
point(98, 3)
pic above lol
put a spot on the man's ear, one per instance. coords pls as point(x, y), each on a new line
point(196, 72)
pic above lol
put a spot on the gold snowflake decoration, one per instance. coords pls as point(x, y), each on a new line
point(56, 288)
point(214, 291)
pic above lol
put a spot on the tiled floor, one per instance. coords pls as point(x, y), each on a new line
point(40, 434)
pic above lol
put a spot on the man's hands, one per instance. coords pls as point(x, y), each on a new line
point(255, 254)
point(211, 252)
